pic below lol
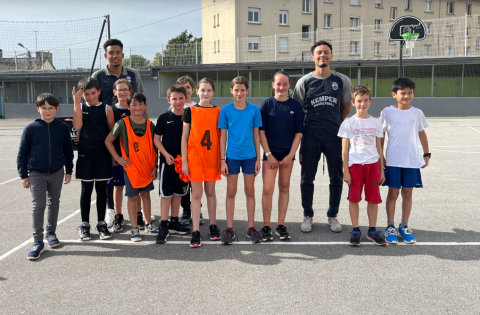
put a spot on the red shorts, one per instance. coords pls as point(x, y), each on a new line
point(367, 175)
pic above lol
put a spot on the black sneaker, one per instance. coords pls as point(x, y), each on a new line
point(355, 238)
point(376, 238)
point(196, 240)
point(186, 218)
point(103, 231)
point(162, 235)
point(84, 232)
point(253, 235)
point(267, 234)
point(281, 232)
point(174, 227)
point(214, 232)
point(118, 223)
point(140, 222)
point(228, 236)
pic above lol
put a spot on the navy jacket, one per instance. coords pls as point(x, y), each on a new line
point(45, 148)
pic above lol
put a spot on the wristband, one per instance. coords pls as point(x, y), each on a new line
point(427, 154)
point(222, 159)
point(268, 153)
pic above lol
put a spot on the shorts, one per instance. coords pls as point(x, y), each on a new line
point(397, 177)
point(279, 156)
point(89, 170)
point(117, 179)
point(132, 192)
point(368, 176)
point(248, 166)
point(169, 182)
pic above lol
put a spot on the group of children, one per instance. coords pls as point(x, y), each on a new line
point(199, 142)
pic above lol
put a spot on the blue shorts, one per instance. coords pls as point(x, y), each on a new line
point(397, 177)
point(248, 166)
point(117, 179)
point(132, 192)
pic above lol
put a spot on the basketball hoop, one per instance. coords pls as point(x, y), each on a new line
point(410, 39)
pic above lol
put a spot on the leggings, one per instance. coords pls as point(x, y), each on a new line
point(86, 199)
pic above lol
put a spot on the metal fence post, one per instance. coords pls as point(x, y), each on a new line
point(466, 26)
point(196, 53)
point(163, 53)
point(433, 78)
point(275, 47)
point(361, 41)
point(238, 50)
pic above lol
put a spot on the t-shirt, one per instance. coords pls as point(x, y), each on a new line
point(119, 113)
point(240, 124)
point(322, 99)
point(187, 105)
point(93, 133)
point(362, 134)
point(119, 130)
point(402, 127)
point(281, 121)
point(170, 127)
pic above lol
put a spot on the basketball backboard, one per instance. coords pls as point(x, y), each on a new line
point(406, 24)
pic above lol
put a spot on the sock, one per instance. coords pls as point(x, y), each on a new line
point(371, 229)
point(174, 219)
point(404, 223)
point(356, 229)
point(164, 223)
point(390, 223)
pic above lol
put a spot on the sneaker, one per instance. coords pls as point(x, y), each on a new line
point(103, 231)
point(253, 235)
point(376, 238)
point(152, 218)
point(214, 232)
point(391, 235)
point(196, 240)
point(228, 236)
point(140, 222)
point(37, 249)
point(109, 217)
point(406, 234)
point(355, 238)
point(135, 235)
point(174, 227)
point(52, 239)
point(186, 218)
point(151, 229)
point(84, 232)
point(281, 232)
point(267, 234)
point(335, 226)
point(162, 235)
point(202, 221)
point(118, 223)
point(306, 224)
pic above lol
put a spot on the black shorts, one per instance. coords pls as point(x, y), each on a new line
point(279, 156)
point(89, 170)
point(169, 182)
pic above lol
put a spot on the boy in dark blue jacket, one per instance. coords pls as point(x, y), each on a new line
point(45, 149)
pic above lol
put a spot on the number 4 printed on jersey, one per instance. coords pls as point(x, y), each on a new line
point(206, 141)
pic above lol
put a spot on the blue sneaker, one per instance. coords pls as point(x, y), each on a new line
point(391, 235)
point(37, 249)
point(52, 239)
point(406, 234)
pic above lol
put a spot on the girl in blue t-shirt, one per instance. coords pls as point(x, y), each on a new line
point(280, 137)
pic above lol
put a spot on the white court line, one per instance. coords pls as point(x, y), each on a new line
point(13, 250)
point(8, 181)
point(473, 129)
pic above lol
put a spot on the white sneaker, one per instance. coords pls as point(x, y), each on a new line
point(306, 224)
point(109, 217)
point(335, 226)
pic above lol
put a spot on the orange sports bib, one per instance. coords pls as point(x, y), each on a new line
point(142, 155)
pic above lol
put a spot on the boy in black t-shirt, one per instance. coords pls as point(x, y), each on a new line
point(168, 140)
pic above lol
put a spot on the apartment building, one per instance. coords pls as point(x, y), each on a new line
point(280, 30)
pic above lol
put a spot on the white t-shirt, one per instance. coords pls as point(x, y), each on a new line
point(362, 134)
point(184, 106)
point(402, 127)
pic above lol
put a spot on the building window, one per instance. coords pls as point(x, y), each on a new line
point(478, 21)
point(377, 48)
point(329, 1)
point(468, 51)
point(428, 27)
point(450, 8)
point(254, 43)
point(427, 50)
point(378, 25)
point(283, 44)
point(478, 43)
point(408, 5)
point(354, 2)
point(306, 32)
point(391, 56)
point(429, 6)
point(253, 15)
point(328, 21)
point(469, 31)
point(378, 4)
point(218, 45)
point(214, 21)
point(306, 6)
point(469, 9)
point(407, 52)
point(449, 51)
point(354, 48)
point(214, 47)
point(218, 19)
point(449, 30)
point(283, 17)
point(393, 13)
point(306, 55)
point(354, 23)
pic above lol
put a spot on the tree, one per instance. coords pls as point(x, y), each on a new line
point(136, 61)
point(185, 49)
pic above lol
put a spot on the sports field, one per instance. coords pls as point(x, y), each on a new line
point(314, 273)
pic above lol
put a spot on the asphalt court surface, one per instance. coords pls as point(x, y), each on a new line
point(315, 273)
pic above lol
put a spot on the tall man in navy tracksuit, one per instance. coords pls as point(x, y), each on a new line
point(325, 97)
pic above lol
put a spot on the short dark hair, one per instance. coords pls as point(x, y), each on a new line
point(402, 83)
point(207, 81)
point(47, 98)
point(186, 79)
point(177, 89)
point(239, 80)
point(320, 43)
point(112, 42)
point(87, 83)
point(139, 97)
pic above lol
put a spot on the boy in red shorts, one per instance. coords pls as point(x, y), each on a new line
point(363, 167)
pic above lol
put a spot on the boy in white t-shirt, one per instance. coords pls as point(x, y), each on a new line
point(405, 126)
point(362, 165)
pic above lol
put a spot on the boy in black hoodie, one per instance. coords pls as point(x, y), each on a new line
point(45, 149)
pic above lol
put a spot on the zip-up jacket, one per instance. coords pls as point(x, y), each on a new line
point(45, 148)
